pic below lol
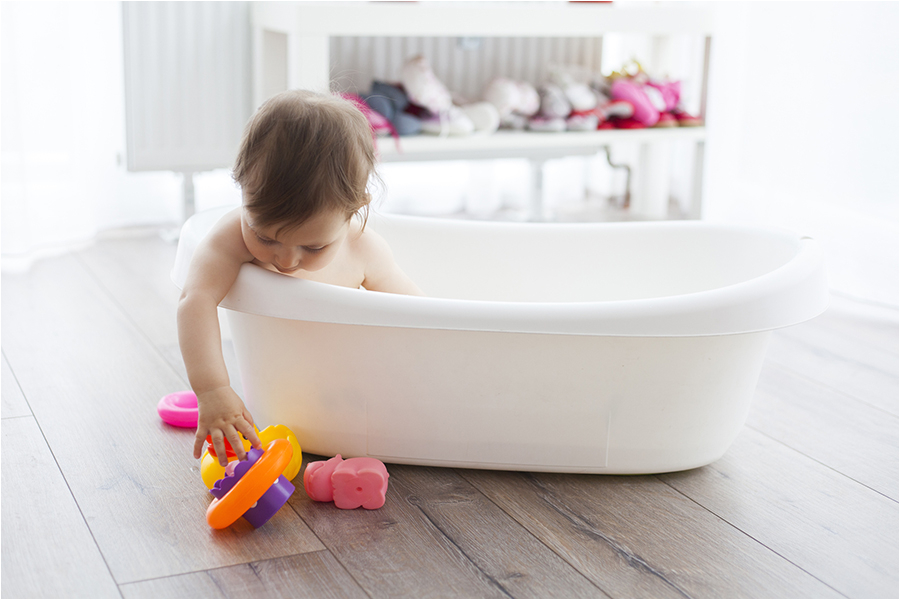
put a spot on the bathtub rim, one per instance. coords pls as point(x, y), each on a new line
point(790, 294)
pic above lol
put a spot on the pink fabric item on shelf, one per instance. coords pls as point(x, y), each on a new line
point(377, 121)
point(629, 91)
point(670, 90)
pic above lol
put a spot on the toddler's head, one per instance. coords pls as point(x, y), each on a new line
point(304, 154)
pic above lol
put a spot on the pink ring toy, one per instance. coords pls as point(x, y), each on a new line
point(179, 409)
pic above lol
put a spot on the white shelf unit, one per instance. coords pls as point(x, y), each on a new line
point(292, 50)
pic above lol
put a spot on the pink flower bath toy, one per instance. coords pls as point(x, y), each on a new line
point(350, 483)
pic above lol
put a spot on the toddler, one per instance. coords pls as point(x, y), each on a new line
point(303, 167)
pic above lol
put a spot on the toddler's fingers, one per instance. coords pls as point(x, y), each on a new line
point(250, 434)
point(234, 438)
point(218, 442)
point(199, 440)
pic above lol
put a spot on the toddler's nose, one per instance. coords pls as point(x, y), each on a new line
point(287, 259)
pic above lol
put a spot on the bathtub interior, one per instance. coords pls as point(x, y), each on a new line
point(579, 262)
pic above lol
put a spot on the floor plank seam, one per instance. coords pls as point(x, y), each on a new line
point(821, 351)
point(819, 462)
point(531, 533)
point(766, 546)
point(491, 579)
point(127, 315)
point(327, 549)
point(75, 500)
point(19, 385)
point(592, 531)
point(785, 368)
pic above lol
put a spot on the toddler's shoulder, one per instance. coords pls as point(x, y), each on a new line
point(368, 244)
point(225, 237)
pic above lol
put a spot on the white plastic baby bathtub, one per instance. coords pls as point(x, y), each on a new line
point(598, 348)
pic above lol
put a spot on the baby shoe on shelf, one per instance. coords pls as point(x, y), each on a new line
point(631, 91)
point(628, 123)
point(377, 121)
point(552, 124)
point(391, 101)
point(582, 121)
point(618, 109)
point(555, 108)
point(669, 92)
point(452, 121)
point(423, 87)
point(686, 120)
point(553, 102)
point(484, 116)
point(515, 101)
point(666, 119)
point(578, 93)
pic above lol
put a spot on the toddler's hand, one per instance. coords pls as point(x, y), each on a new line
point(222, 416)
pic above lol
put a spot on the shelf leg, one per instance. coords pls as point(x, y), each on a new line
point(188, 206)
point(651, 197)
point(695, 210)
point(536, 201)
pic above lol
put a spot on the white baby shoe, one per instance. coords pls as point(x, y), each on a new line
point(484, 116)
point(423, 87)
point(512, 97)
point(452, 121)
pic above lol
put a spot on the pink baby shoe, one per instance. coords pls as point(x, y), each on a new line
point(645, 113)
point(666, 119)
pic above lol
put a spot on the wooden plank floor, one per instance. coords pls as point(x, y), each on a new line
point(101, 499)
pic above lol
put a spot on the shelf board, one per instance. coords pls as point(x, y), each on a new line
point(523, 144)
point(498, 19)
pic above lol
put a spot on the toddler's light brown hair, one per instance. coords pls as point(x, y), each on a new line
point(302, 153)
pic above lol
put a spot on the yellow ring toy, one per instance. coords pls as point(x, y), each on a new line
point(211, 471)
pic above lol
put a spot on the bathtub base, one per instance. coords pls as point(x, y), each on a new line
point(489, 400)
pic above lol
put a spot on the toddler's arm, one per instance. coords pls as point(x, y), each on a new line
point(382, 272)
point(214, 268)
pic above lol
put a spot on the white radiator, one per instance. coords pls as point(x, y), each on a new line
point(187, 84)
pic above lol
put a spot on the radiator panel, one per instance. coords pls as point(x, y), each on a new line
point(187, 83)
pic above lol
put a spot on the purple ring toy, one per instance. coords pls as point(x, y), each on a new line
point(179, 409)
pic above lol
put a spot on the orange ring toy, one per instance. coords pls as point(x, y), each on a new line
point(250, 488)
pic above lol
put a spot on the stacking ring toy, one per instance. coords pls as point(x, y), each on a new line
point(211, 471)
point(250, 492)
point(179, 409)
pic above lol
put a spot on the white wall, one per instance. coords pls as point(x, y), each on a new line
point(803, 131)
point(63, 140)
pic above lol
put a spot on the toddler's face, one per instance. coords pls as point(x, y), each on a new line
point(311, 246)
